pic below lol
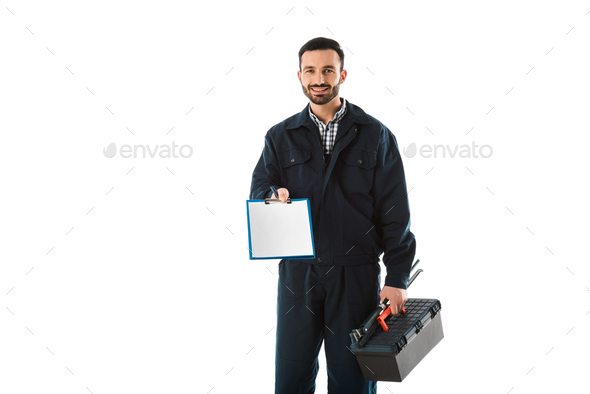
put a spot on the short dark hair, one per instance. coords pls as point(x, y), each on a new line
point(320, 43)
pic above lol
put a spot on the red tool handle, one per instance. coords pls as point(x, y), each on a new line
point(381, 318)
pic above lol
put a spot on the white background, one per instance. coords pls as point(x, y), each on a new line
point(132, 275)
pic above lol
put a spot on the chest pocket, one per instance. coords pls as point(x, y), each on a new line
point(296, 168)
point(356, 170)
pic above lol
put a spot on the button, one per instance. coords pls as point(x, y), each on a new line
point(355, 129)
point(292, 160)
point(320, 259)
point(360, 161)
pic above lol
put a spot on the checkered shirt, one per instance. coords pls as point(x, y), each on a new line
point(329, 131)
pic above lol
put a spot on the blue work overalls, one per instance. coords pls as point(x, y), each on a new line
point(359, 209)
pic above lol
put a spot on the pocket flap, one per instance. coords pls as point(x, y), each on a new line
point(295, 156)
point(359, 158)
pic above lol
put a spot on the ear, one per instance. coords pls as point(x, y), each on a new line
point(299, 75)
point(343, 75)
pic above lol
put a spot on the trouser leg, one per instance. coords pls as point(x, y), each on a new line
point(300, 317)
point(352, 293)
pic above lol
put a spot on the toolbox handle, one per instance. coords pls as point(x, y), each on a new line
point(361, 335)
point(387, 311)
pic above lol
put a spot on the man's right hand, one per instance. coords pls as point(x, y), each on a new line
point(283, 194)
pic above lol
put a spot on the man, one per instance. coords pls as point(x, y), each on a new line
point(348, 164)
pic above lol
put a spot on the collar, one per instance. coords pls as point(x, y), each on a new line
point(337, 116)
point(356, 114)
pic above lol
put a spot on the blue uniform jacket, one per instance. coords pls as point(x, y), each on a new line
point(359, 203)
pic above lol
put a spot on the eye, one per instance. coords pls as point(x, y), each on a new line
point(330, 71)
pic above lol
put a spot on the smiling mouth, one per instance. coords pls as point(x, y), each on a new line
point(319, 90)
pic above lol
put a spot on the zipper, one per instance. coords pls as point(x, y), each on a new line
point(321, 149)
point(324, 172)
point(323, 176)
point(334, 205)
point(337, 138)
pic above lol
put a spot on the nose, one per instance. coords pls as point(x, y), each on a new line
point(318, 79)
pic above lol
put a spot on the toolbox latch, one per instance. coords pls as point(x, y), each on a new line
point(401, 343)
point(435, 309)
point(419, 326)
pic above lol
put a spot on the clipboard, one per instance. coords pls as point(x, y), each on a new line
point(280, 230)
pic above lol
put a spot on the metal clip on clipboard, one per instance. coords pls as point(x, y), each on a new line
point(276, 193)
point(269, 200)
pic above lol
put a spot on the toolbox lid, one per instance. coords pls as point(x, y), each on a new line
point(402, 327)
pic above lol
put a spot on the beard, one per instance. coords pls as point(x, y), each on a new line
point(324, 98)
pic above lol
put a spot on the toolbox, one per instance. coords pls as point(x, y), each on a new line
point(388, 347)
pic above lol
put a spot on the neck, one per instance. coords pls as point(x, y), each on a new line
point(326, 112)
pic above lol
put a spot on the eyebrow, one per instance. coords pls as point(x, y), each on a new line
point(332, 67)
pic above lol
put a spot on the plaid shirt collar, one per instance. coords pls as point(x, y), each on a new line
point(337, 117)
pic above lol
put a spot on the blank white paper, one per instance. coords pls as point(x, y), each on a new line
point(279, 229)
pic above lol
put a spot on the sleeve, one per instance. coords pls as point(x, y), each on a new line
point(266, 173)
point(392, 212)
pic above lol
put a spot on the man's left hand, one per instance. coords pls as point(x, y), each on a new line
point(397, 298)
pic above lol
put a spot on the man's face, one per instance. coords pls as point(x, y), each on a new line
point(320, 75)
